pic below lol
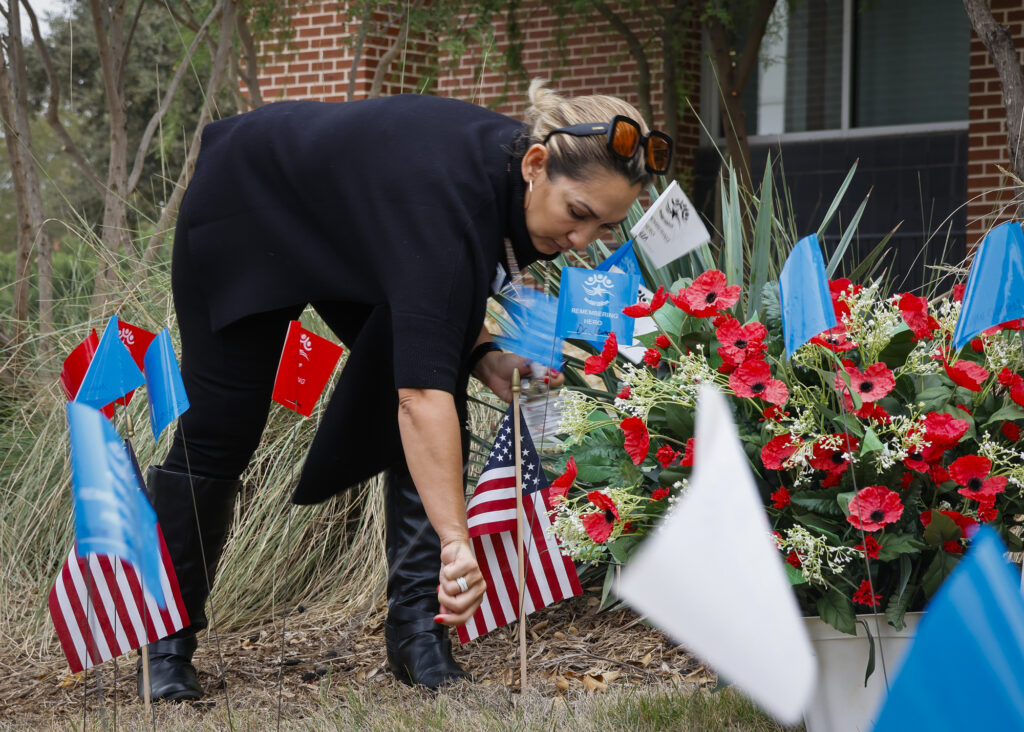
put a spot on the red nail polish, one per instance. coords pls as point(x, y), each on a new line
point(437, 619)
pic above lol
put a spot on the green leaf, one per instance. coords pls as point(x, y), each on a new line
point(836, 609)
point(679, 420)
point(934, 393)
point(843, 499)
point(606, 591)
point(870, 442)
point(762, 245)
point(941, 529)
point(823, 502)
point(844, 242)
point(826, 527)
point(871, 653)
point(669, 476)
point(900, 600)
point(1008, 413)
point(622, 548)
point(937, 571)
point(898, 544)
point(834, 206)
point(796, 577)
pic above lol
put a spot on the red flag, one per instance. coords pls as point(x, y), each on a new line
point(307, 361)
point(550, 577)
point(100, 611)
point(75, 366)
point(136, 340)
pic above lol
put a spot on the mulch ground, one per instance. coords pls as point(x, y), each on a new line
point(572, 646)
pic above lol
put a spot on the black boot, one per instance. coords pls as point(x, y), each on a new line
point(195, 550)
point(419, 650)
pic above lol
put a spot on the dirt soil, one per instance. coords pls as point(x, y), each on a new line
point(572, 647)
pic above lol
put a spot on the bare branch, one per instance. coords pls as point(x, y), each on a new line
point(189, 22)
point(752, 48)
point(252, 66)
point(128, 41)
point(636, 50)
point(357, 56)
point(388, 56)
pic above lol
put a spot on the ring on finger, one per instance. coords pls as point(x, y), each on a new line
point(461, 582)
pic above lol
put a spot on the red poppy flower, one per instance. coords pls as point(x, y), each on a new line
point(874, 507)
point(972, 472)
point(773, 412)
point(753, 379)
point(659, 494)
point(871, 384)
point(560, 486)
point(707, 295)
point(740, 342)
point(687, 461)
point(874, 412)
point(781, 498)
point(597, 364)
point(869, 547)
point(938, 474)
point(942, 431)
point(643, 309)
point(831, 459)
point(1015, 324)
point(665, 455)
point(625, 393)
point(839, 290)
point(987, 511)
point(652, 357)
point(794, 560)
point(638, 441)
point(778, 450)
point(1014, 383)
point(863, 595)
point(967, 374)
point(914, 310)
point(662, 341)
point(966, 523)
point(835, 339)
point(599, 524)
point(977, 345)
point(1010, 431)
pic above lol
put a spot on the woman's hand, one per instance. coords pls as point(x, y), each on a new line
point(495, 371)
point(458, 606)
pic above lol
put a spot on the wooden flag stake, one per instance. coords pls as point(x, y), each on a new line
point(130, 431)
point(520, 527)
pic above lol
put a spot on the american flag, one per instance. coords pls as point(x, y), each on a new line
point(100, 611)
point(550, 577)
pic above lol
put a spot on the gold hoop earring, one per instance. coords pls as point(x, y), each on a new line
point(529, 195)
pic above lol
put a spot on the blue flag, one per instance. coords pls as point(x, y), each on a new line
point(590, 304)
point(965, 668)
point(803, 289)
point(112, 372)
point(530, 331)
point(112, 515)
point(164, 387)
point(622, 259)
point(995, 284)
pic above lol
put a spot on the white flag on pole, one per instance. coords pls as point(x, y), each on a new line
point(670, 228)
point(724, 593)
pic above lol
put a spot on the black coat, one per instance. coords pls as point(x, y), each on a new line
point(394, 208)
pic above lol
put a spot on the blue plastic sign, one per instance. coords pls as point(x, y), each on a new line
point(803, 289)
point(590, 304)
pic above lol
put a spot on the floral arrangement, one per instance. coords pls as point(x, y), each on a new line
point(876, 447)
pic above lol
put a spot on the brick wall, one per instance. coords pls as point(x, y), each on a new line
point(988, 192)
point(580, 55)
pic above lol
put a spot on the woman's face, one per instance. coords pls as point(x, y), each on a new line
point(565, 213)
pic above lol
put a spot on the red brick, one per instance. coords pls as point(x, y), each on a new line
point(311, 32)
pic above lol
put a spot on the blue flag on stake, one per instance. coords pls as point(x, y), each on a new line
point(590, 304)
point(112, 516)
point(622, 259)
point(803, 291)
point(112, 372)
point(530, 330)
point(995, 284)
point(973, 633)
point(164, 387)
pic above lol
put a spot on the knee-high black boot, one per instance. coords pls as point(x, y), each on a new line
point(419, 650)
point(195, 540)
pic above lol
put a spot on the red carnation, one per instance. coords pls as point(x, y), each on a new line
point(1014, 383)
point(874, 507)
point(794, 559)
point(942, 431)
point(665, 455)
point(781, 497)
point(835, 339)
point(625, 393)
point(869, 547)
point(707, 295)
point(662, 341)
point(560, 486)
point(967, 374)
point(839, 290)
point(597, 364)
point(643, 309)
point(753, 379)
point(652, 357)
point(964, 522)
point(874, 412)
point(1010, 431)
point(938, 474)
point(638, 441)
point(740, 342)
point(987, 511)
point(599, 524)
point(958, 292)
point(914, 310)
point(871, 384)
point(863, 595)
point(972, 472)
point(687, 461)
point(778, 450)
point(659, 494)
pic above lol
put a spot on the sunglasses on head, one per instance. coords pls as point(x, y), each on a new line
point(624, 139)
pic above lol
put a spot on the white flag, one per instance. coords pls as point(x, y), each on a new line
point(670, 228)
point(712, 578)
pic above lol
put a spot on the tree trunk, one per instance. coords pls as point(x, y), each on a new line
point(999, 42)
point(673, 34)
point(636, 50)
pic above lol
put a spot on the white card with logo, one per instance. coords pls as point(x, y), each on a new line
point(670, 228)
